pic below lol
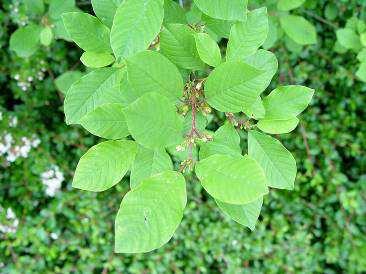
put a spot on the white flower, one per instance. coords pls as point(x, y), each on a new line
point(1, 116)
point(10, 228)
point(52, 179)
point(54, 236)
point(30, 79)
point(17, 77)
point(35, 142)
point(10, 214)
point(13, 121)
point(8, 138)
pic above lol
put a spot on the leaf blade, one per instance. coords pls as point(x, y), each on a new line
point(102, 166)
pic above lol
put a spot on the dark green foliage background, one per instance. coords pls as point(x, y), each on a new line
point(320, 227)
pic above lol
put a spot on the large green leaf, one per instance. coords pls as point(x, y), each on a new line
point(104, 165)
point(149, 162)
point(361, 72)
point(349, 39)
point(225, 141)
point(153, 121)
point(177, 43)
point(287, 101)
point(277, 162)
point(56, 9)
point(286, 5)
point(221, 28)
point(208, 49)
point(246, 37)
point(98, 87)
point(87, 31)
point(150, 213)
point(273, 33)
point(107, 121)
point(298, 29)
point(246, 215)
point(278, 125)
point(135, 25)
point(224, 9)
point(150, 71)
point(229, 88)
point(256, 110)
point(105, 10)
point(33, 7)
point(234, 180)
point(281, 108)
point(65, 80)
point(96, 60)
point(267, 62)
point(173, 13)
point(25, 41)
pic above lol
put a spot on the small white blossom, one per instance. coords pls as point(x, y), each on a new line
point(54, 236)
point(13, 122)
point(1, 115)
point(14, 222)
point(10, 214)
point(52, 179)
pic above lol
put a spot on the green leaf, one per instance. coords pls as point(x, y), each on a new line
point(149, 162)
point(106, 121)
point(299, 29)
point(173, 13)
point(220, 27)
point(98, 87)
point(46, 36)
point(25, 41)
point(224, 9)
point(287, 101)
point(153, 121)
point(229, 88)
point(361, 56)
point(208, 49)
point(150, 71)
point(104, 165)
point(279, 125)
point(177, 43)
point(246, 215)
point(286, 5)
point(135, 26)
point(267, 62)
point(234, 180)
point(58, 7)
point(361, 72)
point(65, 80)
point(33, 7)
point(246, 37)
point(273, 33)
point(281, 108)
point(105, 10)
point(363, 39)
point(96, 60)
point(277, 162)
point(226, 141)
point(349, 39)
point(150, 213)
point(87, 31)
point(256, 110)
